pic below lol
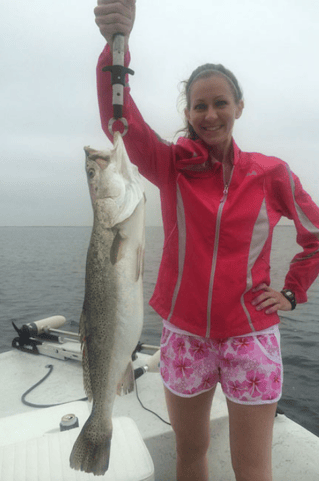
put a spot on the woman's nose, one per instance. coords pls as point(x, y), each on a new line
point(211, 113)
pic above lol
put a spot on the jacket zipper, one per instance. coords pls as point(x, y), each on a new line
point(216, 242)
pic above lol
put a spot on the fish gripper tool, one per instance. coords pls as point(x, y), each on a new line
point(118, 73)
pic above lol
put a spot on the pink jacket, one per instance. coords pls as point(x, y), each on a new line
point(217, 238)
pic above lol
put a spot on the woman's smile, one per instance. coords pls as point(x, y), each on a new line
point(212, 129)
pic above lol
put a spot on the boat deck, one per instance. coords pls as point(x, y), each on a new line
point(295, 450)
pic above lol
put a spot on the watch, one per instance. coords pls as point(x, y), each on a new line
point(290, 296)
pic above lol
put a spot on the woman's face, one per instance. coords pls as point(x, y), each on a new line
point(213, 110)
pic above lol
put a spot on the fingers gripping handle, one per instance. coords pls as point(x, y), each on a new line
point(118, 72)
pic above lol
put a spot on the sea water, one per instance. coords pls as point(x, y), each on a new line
point(43, 273)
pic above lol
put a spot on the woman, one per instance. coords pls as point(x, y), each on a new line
point(219, 206)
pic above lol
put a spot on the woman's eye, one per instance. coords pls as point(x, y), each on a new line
point(221, 103)
point(200, 107)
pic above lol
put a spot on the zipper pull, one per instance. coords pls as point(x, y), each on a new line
point(225, 192)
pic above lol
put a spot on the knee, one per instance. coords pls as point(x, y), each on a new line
point(189, 450)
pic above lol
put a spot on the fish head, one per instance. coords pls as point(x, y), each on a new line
point(115, 184)
point(106, 184)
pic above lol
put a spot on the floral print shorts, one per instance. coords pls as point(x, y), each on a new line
point(249, 368)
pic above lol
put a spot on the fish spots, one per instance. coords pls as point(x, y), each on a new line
point(112, 315)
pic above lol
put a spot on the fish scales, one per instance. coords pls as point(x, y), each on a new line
point(112, 316)
point(99, 309)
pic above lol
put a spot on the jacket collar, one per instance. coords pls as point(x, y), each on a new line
point(237, 152)
point(193, 153)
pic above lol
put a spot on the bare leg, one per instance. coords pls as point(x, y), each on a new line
point(251, 430)
point(190, 421)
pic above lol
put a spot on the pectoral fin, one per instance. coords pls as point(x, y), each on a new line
point(116, 248)
point(139, 262)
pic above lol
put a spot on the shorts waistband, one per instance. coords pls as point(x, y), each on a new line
point(270, 330)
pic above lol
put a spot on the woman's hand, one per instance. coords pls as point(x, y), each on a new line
point(115, 16)
point(270, 300)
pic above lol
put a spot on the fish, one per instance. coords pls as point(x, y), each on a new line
point(112, 316)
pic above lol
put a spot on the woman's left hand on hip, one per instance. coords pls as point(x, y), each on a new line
point(270, 300)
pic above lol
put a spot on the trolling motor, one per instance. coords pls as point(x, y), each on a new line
point(29, 332)
point(118, 72)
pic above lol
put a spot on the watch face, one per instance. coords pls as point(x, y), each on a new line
point(290, 296)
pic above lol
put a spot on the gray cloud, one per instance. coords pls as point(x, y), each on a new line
point(48, 92)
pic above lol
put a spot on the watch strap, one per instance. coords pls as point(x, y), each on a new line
point(290, 296)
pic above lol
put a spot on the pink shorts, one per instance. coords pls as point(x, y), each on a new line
point(249, 368)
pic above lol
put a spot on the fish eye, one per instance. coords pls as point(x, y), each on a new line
point(91, 173)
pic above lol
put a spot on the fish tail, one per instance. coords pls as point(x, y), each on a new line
point(91, 450)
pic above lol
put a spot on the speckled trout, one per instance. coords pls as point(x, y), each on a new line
point(112, 315)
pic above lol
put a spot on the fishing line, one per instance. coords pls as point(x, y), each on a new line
point(149, 410)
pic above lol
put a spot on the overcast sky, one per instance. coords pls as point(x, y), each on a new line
point(49, 109)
